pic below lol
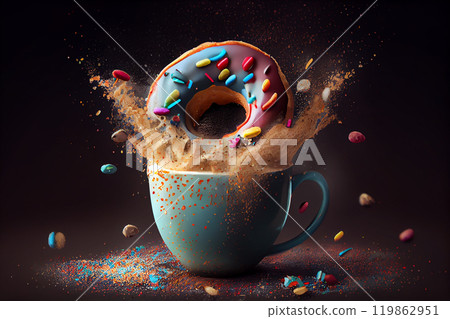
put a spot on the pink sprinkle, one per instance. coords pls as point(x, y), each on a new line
point(207, 75)
point(356, 137)
point(303, 207)
point(234, 142)
point(406, 235)
point(289, 123)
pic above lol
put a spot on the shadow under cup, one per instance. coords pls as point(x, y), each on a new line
point(219, 225)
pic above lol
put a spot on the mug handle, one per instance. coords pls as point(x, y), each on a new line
point(296, 181)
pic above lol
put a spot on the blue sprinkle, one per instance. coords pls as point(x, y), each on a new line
point(174, 103)
point(219, 56)
point(342, 253)
point(51, 240)
point(177, 80)
point(323, 277)
point(251, 100)
point(190, 84)
point(248, 78)
point(319, 275)
point(230, 80)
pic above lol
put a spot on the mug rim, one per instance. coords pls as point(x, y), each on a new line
point(212, 173)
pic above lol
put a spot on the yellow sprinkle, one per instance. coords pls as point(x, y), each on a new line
point(265, 85)
point(202, 63)
point(224, 74)
point(252, 132)
point(300, 291)
point(98, 113)
point(172, 98)
point(339, 235)
point(309, 63)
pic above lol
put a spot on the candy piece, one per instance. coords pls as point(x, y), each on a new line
point(173, 104)
point(251, 99)
point(266, 85)
point(57, 240)
point(289, 123)
point(130, 231)
point(108, 169)
point(172, 98)
point(251, 132)
point(230, 80)
point(330, 280)
point(323, 277)
point(269, 103)
point(190, 84)
point(247, 63)
point(121, 75)
point(234, 142)
point(119, 136)
point(339, 236)
point(319, 275)
point(326, 94)
point(178, 81)
point(224, 74)
point(222, 64)
point(248, 78)
point(202, 63)
point(161, 111)
point(267, 69)
point(300, 291)
point(211, 291)
point(309, 63)
point(356, 137)
point(303, 86)
point(219, 56)
point(98, 113)
point(342, 253)
point(207, 75)
point(303, 207)
point(406, 235)
point(366, 200)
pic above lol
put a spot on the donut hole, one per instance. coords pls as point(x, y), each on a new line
point(218, 111)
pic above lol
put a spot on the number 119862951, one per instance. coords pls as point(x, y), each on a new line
point(405, 310)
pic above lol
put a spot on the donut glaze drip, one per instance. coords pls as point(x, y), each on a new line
point(196, 73)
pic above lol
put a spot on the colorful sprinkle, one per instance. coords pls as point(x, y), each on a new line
point(108, 169)
point(342, 253)
point(176, 80)
point(356, 137)
point(248, 78)
point(319, 275)
point(224, 74)
point(172, 98)
point(303, 207)
point(119, 136)
point(230, 80)
point(207, 75)
point(161, 111)
point(177, 77)
point(266, 85)
point(252, 99)
point(289, 123)
point(251, 132)
point(300, 291)
point(202, 63)
point(267, 69)
point(234, 142)
point(366, 200)
point(219, 56)
point(57, 240)
point(247, 63)
point(121, 75)
point(173, 104)
point(309, 63)
point(406, 235)
point(190, 84)
point(339, 236)
point(271, 101)
point(222, 64)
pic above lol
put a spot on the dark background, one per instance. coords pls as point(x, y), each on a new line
point(53, 146)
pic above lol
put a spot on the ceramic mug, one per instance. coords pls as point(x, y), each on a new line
point(219, 225)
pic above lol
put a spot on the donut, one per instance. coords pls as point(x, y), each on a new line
point(222, 73)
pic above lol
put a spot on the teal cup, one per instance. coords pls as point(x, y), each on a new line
point(220, 225)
